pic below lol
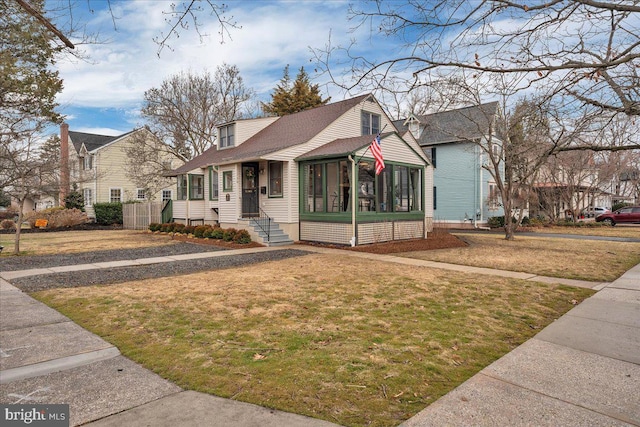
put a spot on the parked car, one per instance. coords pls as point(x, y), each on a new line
point(628, 214)
point(594, 211)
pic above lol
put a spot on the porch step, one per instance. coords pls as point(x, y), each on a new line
point(277, 237)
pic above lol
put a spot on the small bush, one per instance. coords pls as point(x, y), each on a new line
point(496, 221)
point(208, 233)
point(188, 229)
point(178, 227)
point(57, 217)
point(7, 224)
point(166, 227)
point(8, 214)
point(242, 236)
point(229, 234)
point(200, 230)
point(217, 233)
point(108, 213)
point(154, 226)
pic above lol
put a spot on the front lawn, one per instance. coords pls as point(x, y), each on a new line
point(591, 260)
point(350, 340)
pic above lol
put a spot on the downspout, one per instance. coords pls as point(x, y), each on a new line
point(354, 187)
point(475, 186)
point(480, 194)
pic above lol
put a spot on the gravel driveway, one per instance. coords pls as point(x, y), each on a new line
point(106, 276)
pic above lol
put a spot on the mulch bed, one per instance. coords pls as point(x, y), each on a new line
point(216, 242)
point(439, 239)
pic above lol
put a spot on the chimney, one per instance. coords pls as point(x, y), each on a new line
point(64, 162)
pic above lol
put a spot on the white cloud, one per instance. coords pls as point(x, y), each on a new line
point(273, 34)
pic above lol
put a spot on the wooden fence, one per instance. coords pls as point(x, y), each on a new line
point(138, 216)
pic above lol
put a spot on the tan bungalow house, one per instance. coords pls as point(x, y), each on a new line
point(310, 176)
point(98, 165)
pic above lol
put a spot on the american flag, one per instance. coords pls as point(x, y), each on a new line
point(377, 154)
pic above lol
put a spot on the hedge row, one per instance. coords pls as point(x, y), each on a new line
point(204, 231)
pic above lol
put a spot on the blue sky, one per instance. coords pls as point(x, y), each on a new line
point(104, 93)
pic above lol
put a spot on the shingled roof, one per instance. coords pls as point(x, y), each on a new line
point(463, 124)
point(341, 147)
point(288, 131)
point(92, 141)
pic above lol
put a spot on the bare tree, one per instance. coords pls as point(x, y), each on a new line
point(148, 162)
point(24, 173)
point(584, 54)
point(187, 107)
point(58, 20)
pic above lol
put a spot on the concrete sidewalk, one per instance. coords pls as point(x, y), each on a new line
point(584, 369)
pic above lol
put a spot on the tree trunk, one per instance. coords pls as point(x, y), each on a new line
point(16, 244)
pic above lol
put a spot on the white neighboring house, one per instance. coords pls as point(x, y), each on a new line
point(311, 177)
point(97, 164)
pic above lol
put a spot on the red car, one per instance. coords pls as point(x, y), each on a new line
point(628, 214)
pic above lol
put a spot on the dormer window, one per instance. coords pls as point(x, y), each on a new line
point(370, 123)
point(226, 134)
point(87, 162)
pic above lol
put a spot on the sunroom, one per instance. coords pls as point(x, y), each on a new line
point(343, 201)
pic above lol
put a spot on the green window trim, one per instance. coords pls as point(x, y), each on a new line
point(407, 201)
point(196, 192)
point(227, 181)
point(213, 184)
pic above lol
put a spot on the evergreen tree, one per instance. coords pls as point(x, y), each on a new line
point(289, 98)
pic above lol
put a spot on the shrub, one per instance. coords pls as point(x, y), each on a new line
point(200, 230)
point(229, 234)
point(108, 213)
point(7, 224)
point(58, 217)
point(167, 227)
point(74, 200)
point(8, 214)
point(154, 226)
point(496, 221)
point(217, 233)
point(178, 227)
point(188, 229)
point(242, 236)
point(208, 234)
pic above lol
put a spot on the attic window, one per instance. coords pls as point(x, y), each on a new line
point(370, 123)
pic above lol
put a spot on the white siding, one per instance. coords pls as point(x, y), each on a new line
point(245, 129)
point(395, 150)
point(278, 208)
point(230, 210)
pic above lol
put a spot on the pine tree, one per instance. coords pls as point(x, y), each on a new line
point(290, 98)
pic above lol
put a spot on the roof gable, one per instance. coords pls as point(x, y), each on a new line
point(287, 131)
point(462, 124)
point(290, 130)
point(92, 141)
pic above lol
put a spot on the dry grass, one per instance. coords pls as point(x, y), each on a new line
point(59, 242)
point(345, 339)
point(620, 230)
point(568, 258)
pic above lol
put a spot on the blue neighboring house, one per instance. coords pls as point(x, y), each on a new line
point(464, 192)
